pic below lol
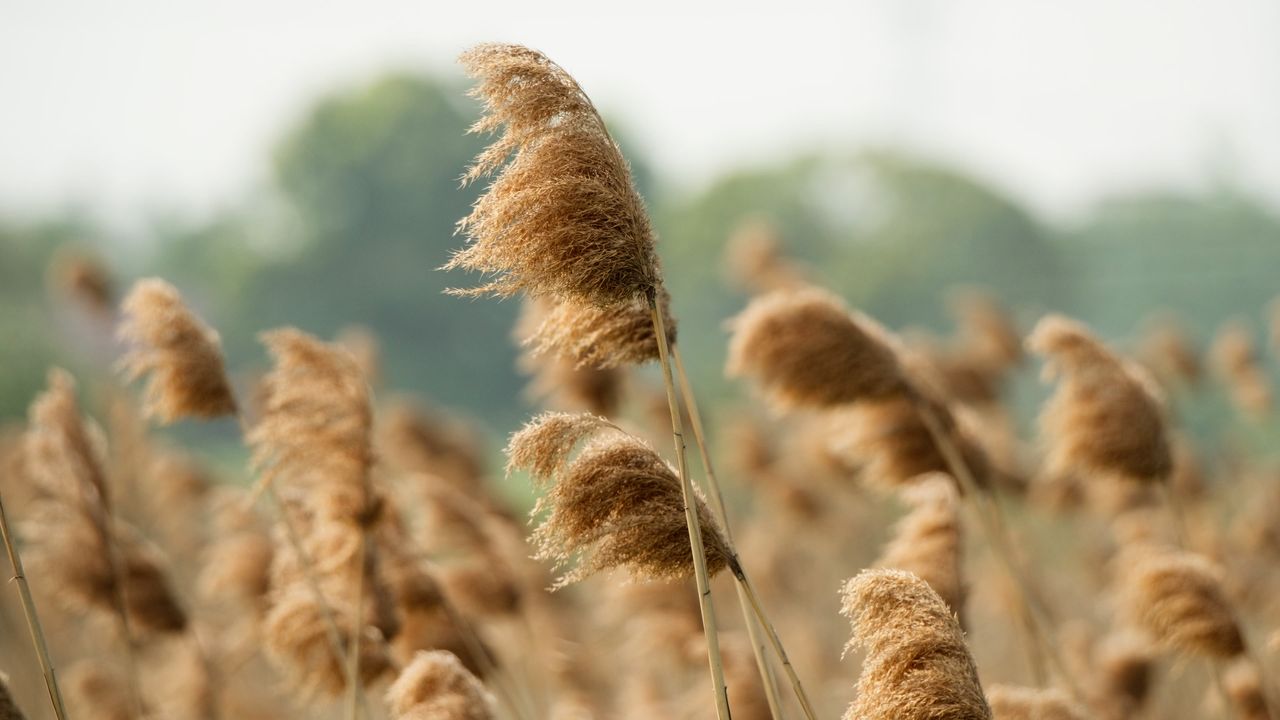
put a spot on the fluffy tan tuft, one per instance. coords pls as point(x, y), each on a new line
point(805, 348)
point(927, 541)
point(8, 708)
point(617, 503)
point(1106, 416)
point(592, 337)
point(562, 217)
point(180, 356)
point(436, 686)
point(1178, 599)
point(754, 259)
point(1235, 361)
point(917, 666)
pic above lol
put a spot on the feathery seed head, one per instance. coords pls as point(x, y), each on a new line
point(805, 348)
point(917, 666)
point(436, 686)
point(180, 355)
point(562, 216)
point(1178, 599)
point(1106, 416)
point(1023, 703)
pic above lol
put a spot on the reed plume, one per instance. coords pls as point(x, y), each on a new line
point(560, 380)
point(917, 666)
point(589, 336)
point(97, 562)
point(615, 503)
point(1106, 416)
point(435, 686)
point(1245, 690)
point(84, 279)
point(1168, 353)
point(178, 353)
point(414, 439)
point(1122, 679)
point(562, 217)
point(754, 260)
point(8, 708)
point(1009, 702)
point(1235, 361)
point(927, 541)
point(97, 692)
point(807, 349)
point(1178, 599)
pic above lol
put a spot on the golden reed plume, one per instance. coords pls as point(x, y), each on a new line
point(807, 349)
point(1235, 361)
point(754, 260)
point(615, 503)
point(927, 541)
point(562, 217)
point(917, 665)
point(435, 686)
point(1178, 599)
point(1106, 416)
point(176, 351)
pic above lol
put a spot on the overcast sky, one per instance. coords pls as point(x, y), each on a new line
point(133, 105)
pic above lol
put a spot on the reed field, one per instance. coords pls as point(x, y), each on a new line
point(865, 526)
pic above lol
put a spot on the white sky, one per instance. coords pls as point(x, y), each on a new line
point(128, 106)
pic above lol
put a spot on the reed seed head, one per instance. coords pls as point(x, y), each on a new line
point(1178, 599)
point(805, 348)
point(179, 354)
point(8, 708)
point(927, 541)
point(917, 666)
point(1106, 416)
point(562, 216)
point(617, 503)
point(436, 686)
point(588, 336)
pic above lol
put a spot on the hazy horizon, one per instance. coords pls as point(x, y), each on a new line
point(133, 107)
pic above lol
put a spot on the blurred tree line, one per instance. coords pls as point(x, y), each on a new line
point(364, 197)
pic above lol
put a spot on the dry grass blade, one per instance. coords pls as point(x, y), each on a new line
point(917, 666)
point(177, 352)
point(562, 217)
point(435, 686)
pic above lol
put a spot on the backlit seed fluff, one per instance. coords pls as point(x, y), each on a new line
point(436, 686)
point(178, 354)
point(1178, 599)
point(1023, 703)
point(562, 217)
point(805, 348)
point(917, 666)
point(589, 336)
point(1106, 416)
point(616, 503)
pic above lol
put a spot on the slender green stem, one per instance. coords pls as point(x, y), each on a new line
point(33, 619)
point(701, 577)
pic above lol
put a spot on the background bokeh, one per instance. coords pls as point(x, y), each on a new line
point(287, 163)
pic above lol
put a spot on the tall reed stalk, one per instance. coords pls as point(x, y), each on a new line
point(701, 577)
point(752, 610)
point(33, 619)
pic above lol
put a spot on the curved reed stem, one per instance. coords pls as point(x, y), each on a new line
point(697, 549)
point(745, 583)
point(33, 619)
point(717, 504)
